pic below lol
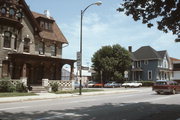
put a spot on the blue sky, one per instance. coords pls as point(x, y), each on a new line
point(102, 25)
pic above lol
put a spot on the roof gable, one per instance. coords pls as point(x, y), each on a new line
point(56, 34)
point(145, 53)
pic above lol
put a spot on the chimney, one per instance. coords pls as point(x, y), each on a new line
point(130, 48)
point(47, 14)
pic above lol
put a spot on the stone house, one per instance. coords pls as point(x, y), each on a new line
point(30, 44)
point(150, 65)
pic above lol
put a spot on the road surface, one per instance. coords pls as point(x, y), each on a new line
point(142, 104)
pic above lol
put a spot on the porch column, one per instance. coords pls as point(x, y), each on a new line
point(11, 69)
point(24, 70)
point(72, 72)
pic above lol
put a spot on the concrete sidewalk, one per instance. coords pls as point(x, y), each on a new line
point(42, 96)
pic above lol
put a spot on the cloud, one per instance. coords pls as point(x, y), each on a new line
point(112, 29)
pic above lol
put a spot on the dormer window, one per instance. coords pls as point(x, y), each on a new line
point(11, 12)
point(46, 25)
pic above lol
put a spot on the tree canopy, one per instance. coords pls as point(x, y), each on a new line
point(112, 61)
point(165, 12)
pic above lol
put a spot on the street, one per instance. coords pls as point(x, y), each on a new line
point(142, 104)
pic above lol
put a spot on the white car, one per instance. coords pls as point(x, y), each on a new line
point(132, 84)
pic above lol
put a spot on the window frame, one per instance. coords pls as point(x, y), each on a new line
point(41, 52)
point(53, 49)
point(149, 71)
point(7, 38)
point(26, 45)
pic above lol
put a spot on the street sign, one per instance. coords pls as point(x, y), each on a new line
point(125, 74)
point(85, 68)
point(78, 60)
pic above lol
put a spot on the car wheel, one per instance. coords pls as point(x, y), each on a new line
point(158, 92)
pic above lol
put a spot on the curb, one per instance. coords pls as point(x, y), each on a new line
point(54, 96)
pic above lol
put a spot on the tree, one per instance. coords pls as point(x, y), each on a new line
point(165, 12)
point(112, 61)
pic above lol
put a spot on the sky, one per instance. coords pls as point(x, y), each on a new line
point(102, 26)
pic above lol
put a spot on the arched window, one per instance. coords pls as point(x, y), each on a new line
point(3, 11)
point(7, 39)
point(27, 45)
point(11, 12)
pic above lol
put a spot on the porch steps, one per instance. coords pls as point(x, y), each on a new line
point(38, 89)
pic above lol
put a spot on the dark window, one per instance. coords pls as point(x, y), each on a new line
point(26, 45)
point(149, 75)
point(11, 12)
point(15, 42)
point(53, 50)
point(42, 24)
point(46, 25)
point(41, 48)
point(7, 39)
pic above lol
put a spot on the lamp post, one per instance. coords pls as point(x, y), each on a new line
point(82, 13)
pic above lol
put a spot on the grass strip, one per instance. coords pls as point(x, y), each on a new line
point(15, 94)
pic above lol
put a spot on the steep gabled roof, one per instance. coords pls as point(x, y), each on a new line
point(162, 53)
point(55, 34)
point(146, 53)
point(30, 16)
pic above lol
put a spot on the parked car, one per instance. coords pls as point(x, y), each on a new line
point(165, 86)
point(112, 84)
point(132, 84)
point(99, 85)
point(77, 84)
point(91, 84)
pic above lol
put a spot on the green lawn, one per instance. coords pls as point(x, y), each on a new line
point(14, 94)
point(77, 90)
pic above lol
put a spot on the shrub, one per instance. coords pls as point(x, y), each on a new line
point(20, 87)
point(54, 87)
point(147, 83)
point(6, 86)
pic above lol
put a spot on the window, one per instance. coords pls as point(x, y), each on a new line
point(26, 45)
point(150, 75)
point(138, 64)
point(19, 16)
point(3, 11)
point(53, 50)
point(145, 62)
point(41, 48)
point(11, 12)
point(15, 42)
point(7, 39)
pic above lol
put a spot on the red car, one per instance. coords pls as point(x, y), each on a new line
point(165, 86)
point(99, 85)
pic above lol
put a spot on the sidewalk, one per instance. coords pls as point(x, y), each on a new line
point(42, 96)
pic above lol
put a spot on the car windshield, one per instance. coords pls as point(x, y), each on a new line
point(161, 83)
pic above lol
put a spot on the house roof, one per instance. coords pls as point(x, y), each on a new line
point(54, 35)
point(174, 59)
point(162, 53)
point(147, 52)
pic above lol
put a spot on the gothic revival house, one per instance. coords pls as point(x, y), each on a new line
point(30, 44)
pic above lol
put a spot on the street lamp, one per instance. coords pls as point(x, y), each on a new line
point(82, 13)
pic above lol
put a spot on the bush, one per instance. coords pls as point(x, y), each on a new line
point(54, 87)
point(6, 86)
point(20, 87)
point(147, 83)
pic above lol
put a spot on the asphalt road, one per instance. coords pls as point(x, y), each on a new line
point(143, 104)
